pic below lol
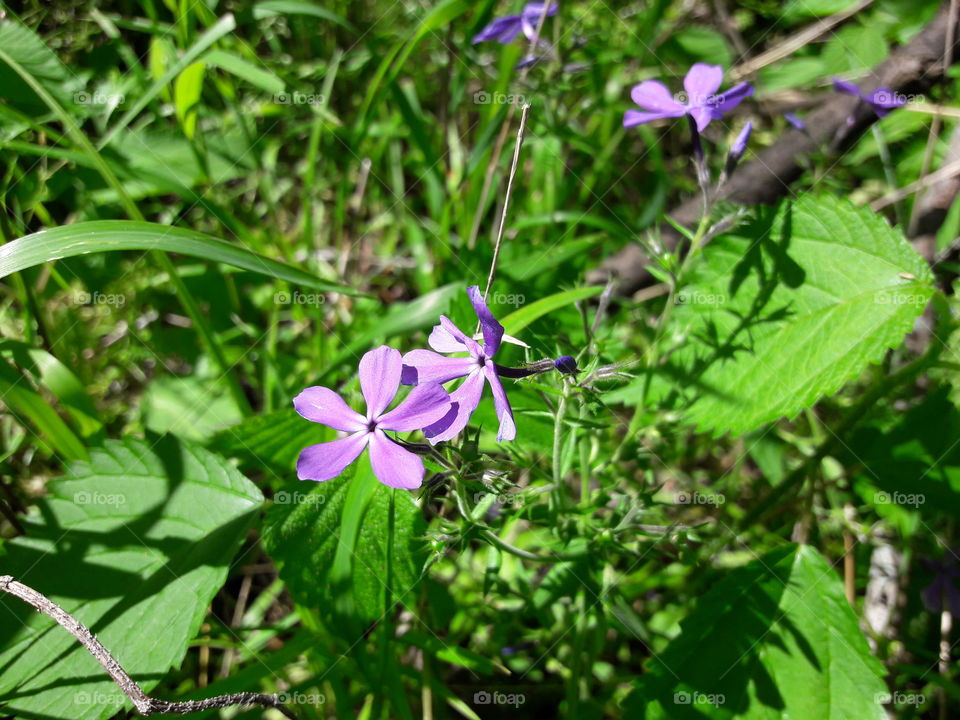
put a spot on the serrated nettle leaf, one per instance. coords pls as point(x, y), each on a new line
point(330, 541)
point(787, 309)
point(774, 639)
point(133, 543)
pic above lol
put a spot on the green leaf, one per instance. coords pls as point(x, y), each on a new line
point(330, 541)
point(774, 639)
point(134, 543)
point(253, 74)
point(186, 96)
point(398, 319)
point(25, 404)
point(271, 8)
point(787, 309)
point(272, 440)
point(912, 464)
point(104, 235)
point(188, 407)
point(519, 319)
point(27, 49)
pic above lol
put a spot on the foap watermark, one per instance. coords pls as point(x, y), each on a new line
point(898, 498)
point(299, 698)
point(99, 699)
point(299, 298)
point(295, 97)
point(484, 697)
point(298, 498)
point(482, 97)
point(886, 96)
point(82, 97)
point(98, 298)
point(695, 297)
point(85, 497)
point(504, 498)
point(899, 698)
point(514, 299)
point(698, 698)
point(685, 497)
point(894, 297)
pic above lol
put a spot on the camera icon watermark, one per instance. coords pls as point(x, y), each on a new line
point(913, 500)
point(482, 97)
point(698, 498)
point(299, 298)
point(85, 497)
point(483, 697)
point(295, 97)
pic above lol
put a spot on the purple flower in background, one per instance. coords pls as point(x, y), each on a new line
point(882, 100)
point(380, 372)
point(505, 29)
point(736, 152)
point(702, 102)
point(795, 121)
point(421, 366)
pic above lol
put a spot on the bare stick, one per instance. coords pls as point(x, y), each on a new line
point(144, 704)
point(506, 201)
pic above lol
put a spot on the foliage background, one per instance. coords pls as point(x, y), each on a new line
point(645, 537)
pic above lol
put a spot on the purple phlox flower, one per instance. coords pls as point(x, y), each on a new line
point(882, 100)
point(380, 371)
point(566, 364)
point(701, 100)
point(795, 121)
point(425, 366)
point(505, 29)
point(737, 150)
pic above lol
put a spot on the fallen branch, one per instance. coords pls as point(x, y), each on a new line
point(837, 125)
point(144, 704)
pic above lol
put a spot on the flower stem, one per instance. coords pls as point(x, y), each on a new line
point(558, 490)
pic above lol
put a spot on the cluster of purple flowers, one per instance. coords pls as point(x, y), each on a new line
point(428, 406)
point(703, 102)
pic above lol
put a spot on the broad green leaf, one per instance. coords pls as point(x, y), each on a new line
point(104, 235)
point(188, 407)
point(271, 441)
point(330, 541)
point(774, 639)
point(787, 309)
point(186, 95)
point(519, 319)
point(134, 543)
